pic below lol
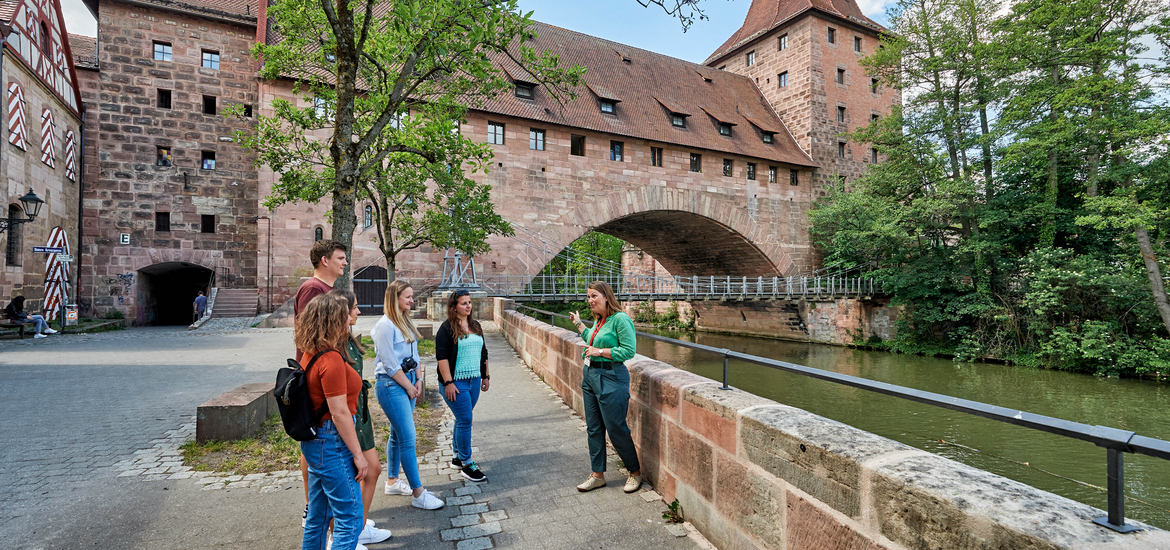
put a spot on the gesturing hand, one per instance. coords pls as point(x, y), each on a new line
point(574, 317)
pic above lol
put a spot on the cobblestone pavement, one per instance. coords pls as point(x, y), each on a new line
point(90, 457)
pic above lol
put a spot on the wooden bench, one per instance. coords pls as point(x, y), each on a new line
point(17, 325)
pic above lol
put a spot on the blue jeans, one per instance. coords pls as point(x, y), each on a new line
point(461, 406)
point(38, 320)
point(400, 449)
point(333, 491)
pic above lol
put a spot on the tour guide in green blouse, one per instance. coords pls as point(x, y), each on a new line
point(605, 385)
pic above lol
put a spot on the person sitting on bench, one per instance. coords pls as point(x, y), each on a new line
point(15, 312)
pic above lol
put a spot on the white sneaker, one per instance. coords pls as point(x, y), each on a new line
point(39, 335)
point(399, 487)
point(329, 544)
point(49, 331)
point(372, 535)
point(426, 501)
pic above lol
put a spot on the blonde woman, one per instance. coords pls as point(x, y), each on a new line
point(335, 458)
point(398, 384)
point(605, 384)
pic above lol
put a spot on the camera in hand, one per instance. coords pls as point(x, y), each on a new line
point(408, 364)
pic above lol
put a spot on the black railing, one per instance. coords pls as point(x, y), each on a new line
point(1116, 442)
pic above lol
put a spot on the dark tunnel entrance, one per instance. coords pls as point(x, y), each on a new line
point(167, 290)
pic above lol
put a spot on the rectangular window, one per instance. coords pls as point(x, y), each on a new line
point(873, 155)
point(724, 129)
point(162, 221)
point(873, 118)
point(794, 177)
point(728, 167)
point(164, 99)
point(162, 52)
point(840, 76)
point(615, 150)
point(771, 174)
point(696, 162)
point(210, 60)
point(164, 156)
point(607, 106)
point(856, 43)
point(783, 42)
point(751, 170)
point(769, 137)
point(751, 58)
point(841, 149)
point(577, 145)
point(873, 85)
point(536, 139)
point(209, 105)
point(678, 121)
point(840, 114)
point(207, 223)
point(207, 160)
point(15, 234)
point(495, 133)
point(247, 111)
point(525, 91)
point(655, 156)
point(321, 107)
point(782, 78)
point(832, 35)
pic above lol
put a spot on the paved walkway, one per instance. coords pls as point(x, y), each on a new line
point(109, 403)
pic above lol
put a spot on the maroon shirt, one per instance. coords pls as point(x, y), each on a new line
point(309, 289)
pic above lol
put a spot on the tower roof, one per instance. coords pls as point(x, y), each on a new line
point(765, 15)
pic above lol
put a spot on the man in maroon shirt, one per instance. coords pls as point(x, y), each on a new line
point(329, 263)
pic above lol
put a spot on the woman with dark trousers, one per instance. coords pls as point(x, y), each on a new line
point(463, 372)
point(605, 385)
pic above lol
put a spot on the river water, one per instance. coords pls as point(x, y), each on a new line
point(1067, 467)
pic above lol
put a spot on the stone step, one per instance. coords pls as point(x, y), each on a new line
point(236, 302)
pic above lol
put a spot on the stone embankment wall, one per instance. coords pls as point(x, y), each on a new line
point(751, 473)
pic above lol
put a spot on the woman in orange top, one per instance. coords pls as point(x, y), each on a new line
point(335, 458)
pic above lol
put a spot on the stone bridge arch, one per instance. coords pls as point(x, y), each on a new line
point(690, 232)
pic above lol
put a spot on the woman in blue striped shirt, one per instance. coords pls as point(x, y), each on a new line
point(463, 372)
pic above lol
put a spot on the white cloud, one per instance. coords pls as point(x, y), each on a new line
point(78, 20)
point(873, 8)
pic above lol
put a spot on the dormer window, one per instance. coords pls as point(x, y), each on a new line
point(607, 106)
point(724, 129)
point(769, 137)
point(524, 91)
point(678, 121)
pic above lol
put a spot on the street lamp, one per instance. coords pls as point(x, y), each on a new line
point(32, 208)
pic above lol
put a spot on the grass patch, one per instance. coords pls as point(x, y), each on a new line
point(425, 347)
point(269, 450)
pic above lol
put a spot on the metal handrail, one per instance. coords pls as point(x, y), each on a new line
point(1115, 441)
point(633, 286)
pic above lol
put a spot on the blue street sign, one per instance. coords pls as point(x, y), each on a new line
point(49, 249)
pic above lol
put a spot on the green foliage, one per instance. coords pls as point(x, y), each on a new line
point(1025, 205)
point(673, 513)
point(645, 312)
point(115, 314)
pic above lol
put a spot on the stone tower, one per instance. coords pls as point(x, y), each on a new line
point(805, 55)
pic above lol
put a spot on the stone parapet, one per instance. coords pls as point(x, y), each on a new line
point(751, 473)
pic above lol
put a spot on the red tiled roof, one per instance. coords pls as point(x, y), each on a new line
point(7, 8)
point(650, 87)
point(765, 15)
point(84, 50)
point(239, 10)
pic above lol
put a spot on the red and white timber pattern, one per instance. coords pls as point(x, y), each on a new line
point(48, 147)
point(70, 155)
point(56, 274)
point(16, 126)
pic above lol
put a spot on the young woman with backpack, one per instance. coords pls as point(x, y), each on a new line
point(335, 458)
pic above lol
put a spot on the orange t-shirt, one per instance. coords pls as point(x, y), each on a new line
point(332, 376)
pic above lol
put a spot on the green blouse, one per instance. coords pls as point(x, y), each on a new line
point(617, 333)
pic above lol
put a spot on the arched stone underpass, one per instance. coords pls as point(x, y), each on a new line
point(688, 244)
point(166, 291)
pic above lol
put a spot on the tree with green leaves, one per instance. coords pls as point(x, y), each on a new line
point(363, 66)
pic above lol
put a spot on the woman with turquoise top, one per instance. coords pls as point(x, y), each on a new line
point(463, 372)
point(605, 384)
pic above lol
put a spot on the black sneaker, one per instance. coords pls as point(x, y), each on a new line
point(456, 464)
point(472, 473)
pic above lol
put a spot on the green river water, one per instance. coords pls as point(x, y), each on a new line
point(1042, 460)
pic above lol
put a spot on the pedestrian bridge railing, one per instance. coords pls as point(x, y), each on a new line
point(634, 287)
point(1116, 442)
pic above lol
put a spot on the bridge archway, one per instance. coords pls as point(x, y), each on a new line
point(166, 291)
point(689, 232)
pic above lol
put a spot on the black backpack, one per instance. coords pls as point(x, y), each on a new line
point(297, 414)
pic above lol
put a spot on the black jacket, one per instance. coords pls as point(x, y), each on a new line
point(446, 348)
point(15, 314)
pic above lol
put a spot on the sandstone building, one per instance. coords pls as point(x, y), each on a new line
point(709, 171)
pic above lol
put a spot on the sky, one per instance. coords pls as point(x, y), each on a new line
point(623, 21)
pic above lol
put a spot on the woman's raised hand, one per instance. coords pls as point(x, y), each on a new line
point(574, 317)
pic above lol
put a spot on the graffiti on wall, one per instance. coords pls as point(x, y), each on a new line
point(119, 286)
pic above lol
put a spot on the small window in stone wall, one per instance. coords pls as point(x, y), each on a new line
point(616, 151)
point(857, 43)
point(247, 111)
point(771, 174)
point(840, 76)
point(535, 139)
point(207, 160)
point(794, 177)
point(783, 42)
point(496, 133)
point(832, 35)
point(751, 58)
point(841, 149)
point(751, 171)
point(162, 51)
point(318, 234)
point(209, 105)
point(210, 60)
point(577, 145)
point(207, 223)
point(162, 221)
point(728, 167)
point(164, 156)
point(782, 78)
point(841, 114)
point(369, 216)
point(696, 162)
point(655, 156)
point(164, 99)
